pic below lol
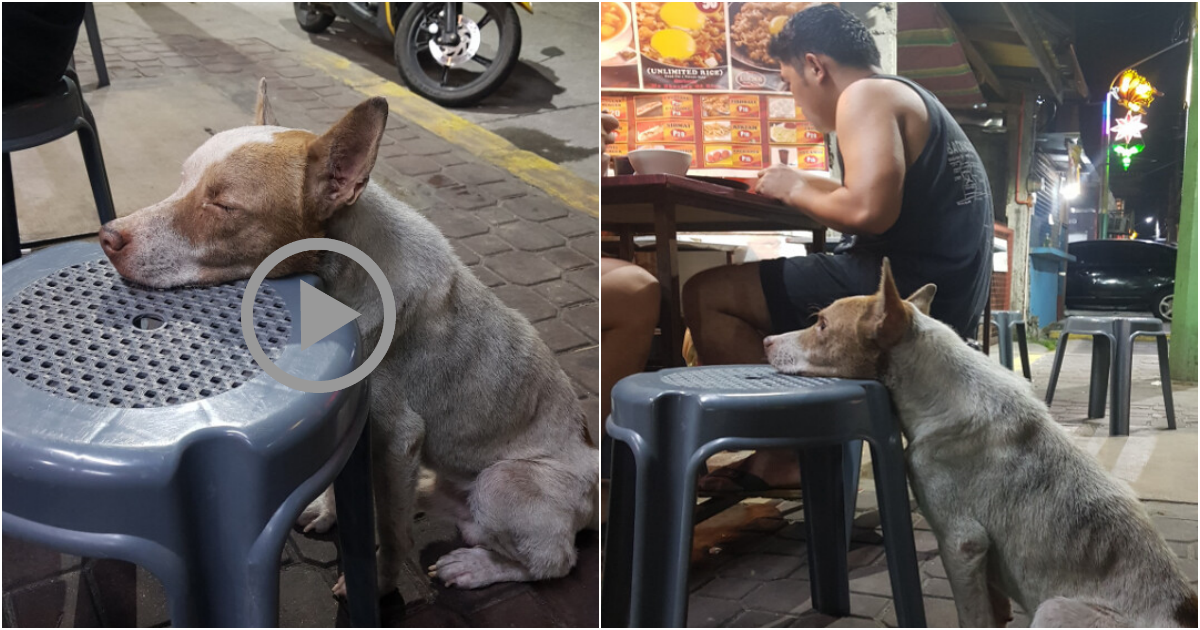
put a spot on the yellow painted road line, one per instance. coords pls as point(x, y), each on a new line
point(533, 169)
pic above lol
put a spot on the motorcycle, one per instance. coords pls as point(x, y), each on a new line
point(452, 53)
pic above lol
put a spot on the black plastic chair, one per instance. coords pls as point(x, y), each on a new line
point(38, 121)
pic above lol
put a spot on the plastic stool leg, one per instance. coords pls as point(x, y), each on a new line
point(1059, 353)
point(89, 141)
point(1121, 380)
point(1006, 354)
point(1102, 354)
point(1023, 346)
point(89, 22)
point(851, 468)
point(821, 481)
point(895, 513)
point(618, 548)
point(662, 543)
point(11, 236)
point(356, 533)
point(1164, 372)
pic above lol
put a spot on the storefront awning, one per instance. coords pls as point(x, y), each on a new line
point(930, 53)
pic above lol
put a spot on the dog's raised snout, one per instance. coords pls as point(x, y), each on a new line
point(111, 240)
point(767, 342)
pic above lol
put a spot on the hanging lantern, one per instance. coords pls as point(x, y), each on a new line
point(1127, 152)
point(1128, 128)
point(1134, 92)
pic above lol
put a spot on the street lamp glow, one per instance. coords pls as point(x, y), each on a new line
point(1070, 192)
point(1149, 219)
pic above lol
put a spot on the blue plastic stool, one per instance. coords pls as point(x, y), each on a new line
point(666, 424)
point(137, 427)
point(1112, 365)
point(1006, 322)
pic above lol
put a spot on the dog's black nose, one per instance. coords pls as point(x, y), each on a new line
point(111, 240)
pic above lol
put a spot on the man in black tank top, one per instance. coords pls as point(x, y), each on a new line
point(913, 189)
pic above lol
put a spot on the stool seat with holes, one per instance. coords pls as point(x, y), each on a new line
point(138, 427)
point(666, 424)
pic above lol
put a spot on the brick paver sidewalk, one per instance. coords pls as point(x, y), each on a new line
point(535, 253)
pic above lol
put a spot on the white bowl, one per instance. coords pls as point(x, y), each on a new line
point(660, 161)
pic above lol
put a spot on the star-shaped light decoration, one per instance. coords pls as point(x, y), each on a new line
point(1128, 128)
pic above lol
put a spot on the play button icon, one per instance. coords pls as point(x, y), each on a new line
point(322, 315)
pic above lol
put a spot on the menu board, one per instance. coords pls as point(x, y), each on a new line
point(703, 46)
point(696, 77)
point(720, 131)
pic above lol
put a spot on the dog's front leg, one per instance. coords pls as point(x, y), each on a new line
point(396, 466)
point(397, 436)
point(963, 548)
point(1001, 603)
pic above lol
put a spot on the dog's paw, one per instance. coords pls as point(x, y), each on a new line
point(475, 567)
point(317, 517)
point(339, 589)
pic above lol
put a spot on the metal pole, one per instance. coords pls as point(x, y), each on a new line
point(1103, 234)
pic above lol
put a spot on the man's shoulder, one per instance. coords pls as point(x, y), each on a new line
point(878, 92)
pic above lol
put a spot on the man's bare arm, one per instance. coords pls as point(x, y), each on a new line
point(868, 200)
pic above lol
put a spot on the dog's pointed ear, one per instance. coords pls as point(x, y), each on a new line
point(340, 161)
point(923, 297)
point(263, 114)
point(889, 318)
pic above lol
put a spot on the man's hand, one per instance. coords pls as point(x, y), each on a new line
point(608, 124)
point(779, 181)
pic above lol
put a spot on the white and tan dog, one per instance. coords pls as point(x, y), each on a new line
point(467, 388)
point(1018, 511)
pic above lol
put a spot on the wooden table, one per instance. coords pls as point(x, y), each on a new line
point(664, 205)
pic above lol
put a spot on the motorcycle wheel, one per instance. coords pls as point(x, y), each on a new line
point(470, 72)
point(311, 18)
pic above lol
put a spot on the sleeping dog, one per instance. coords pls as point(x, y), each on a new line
point(467, 388)
point(1018, 511)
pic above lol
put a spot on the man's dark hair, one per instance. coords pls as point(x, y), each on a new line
point(825, 29)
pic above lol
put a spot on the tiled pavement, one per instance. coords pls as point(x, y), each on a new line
point(749, 562)
point(536, 254)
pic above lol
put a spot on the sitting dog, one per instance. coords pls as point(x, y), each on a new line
point(1018, 511)
point(467, 387)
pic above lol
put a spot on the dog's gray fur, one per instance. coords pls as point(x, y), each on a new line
point(470, 388)
point(1018, 510)
point(467, 387)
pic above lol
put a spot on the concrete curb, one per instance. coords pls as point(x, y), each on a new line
point(554, 180)
point(1054, 334)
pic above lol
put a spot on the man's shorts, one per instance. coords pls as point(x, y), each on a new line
point(796, 288)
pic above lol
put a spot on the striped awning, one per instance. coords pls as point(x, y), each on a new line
point(928, 52)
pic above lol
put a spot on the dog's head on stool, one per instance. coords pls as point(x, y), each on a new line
point(245, 193)
point(852, 336)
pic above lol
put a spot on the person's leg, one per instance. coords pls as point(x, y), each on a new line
point(630, 298)
point(726, 311)
point(729, 311)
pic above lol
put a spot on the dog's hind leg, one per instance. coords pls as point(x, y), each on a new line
point(525, 516)
point(320, 515)
point(1063, 612)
